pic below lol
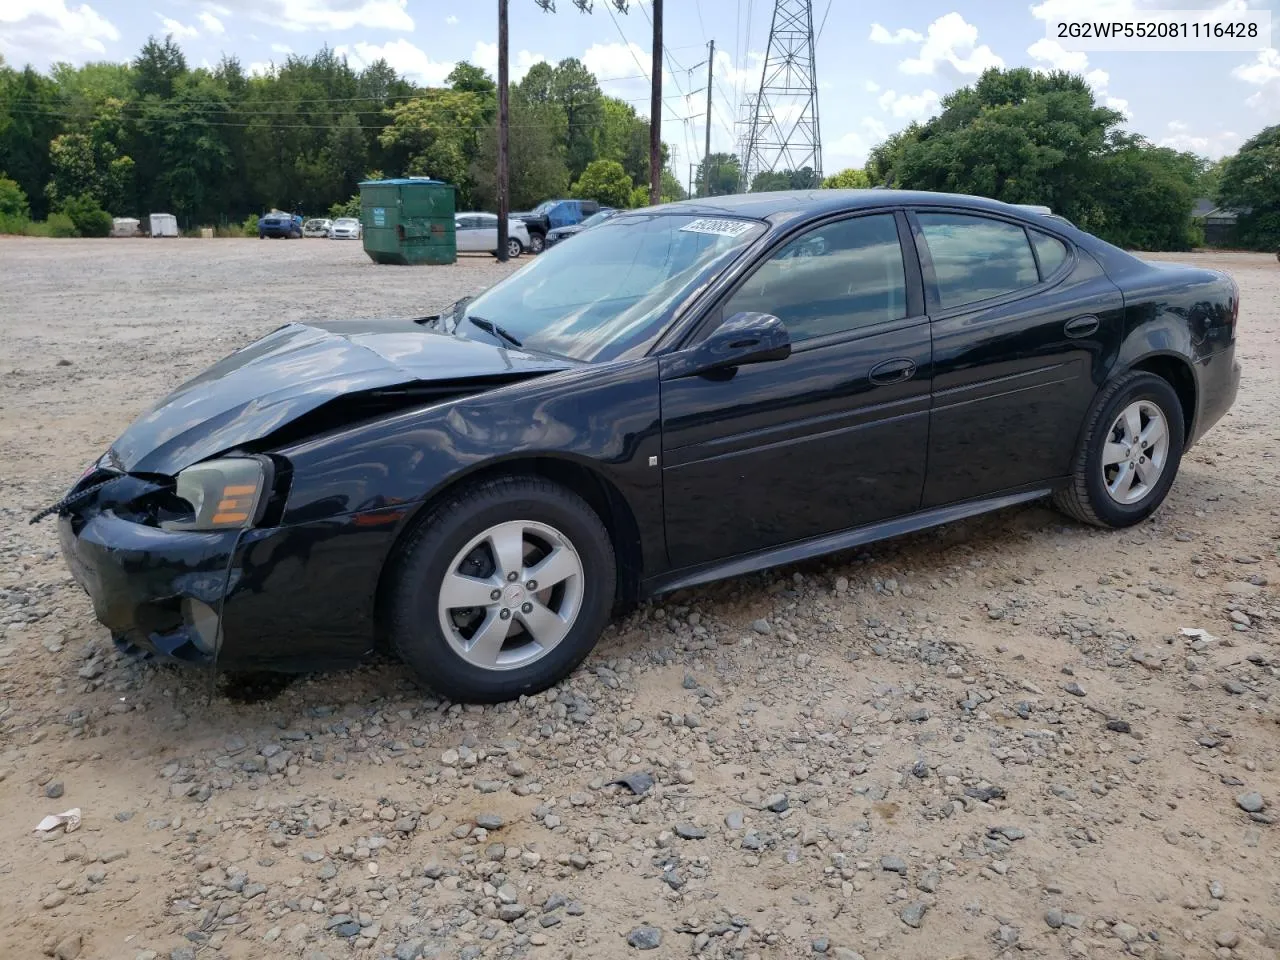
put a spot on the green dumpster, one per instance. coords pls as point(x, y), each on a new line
point(408, 221)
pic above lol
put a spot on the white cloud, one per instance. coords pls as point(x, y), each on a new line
point(852, 147)
point(609, 61)
point(261, 68)
point(211, 23)
point(871, 86)
point(485, 55)
point(1052, 53)
point(403, 56)
point(326, 15)
point(1053, 57)
point(905, 106)
point(1213, 145)
point(952, 47)
point(451, 20)
point(44, 31)
point(176, 28)
point(281, 48)
point(1263, 73)
point(880, 35)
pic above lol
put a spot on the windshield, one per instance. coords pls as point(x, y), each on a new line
point(595, 218)
point(599, 301)
point(346, 223)
point(545, 206)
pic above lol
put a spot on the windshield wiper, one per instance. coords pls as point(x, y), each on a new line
point(497, 331)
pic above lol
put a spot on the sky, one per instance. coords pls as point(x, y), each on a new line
point(880, 66)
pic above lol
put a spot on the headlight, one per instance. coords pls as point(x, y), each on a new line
point(226, 494)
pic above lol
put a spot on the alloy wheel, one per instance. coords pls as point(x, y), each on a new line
point(513, 248)
point(511, 595)
point(1135, 451)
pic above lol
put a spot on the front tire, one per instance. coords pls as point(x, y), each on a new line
point(502, 590)
point(1130, 455)
point(536, 243)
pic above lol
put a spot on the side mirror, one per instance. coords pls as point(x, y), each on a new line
point(741, 339)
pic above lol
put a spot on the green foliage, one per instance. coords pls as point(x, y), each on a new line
point(13, 201)
point(536, 159)
point(726, 175)
point(90, 220)
point(849, 179)
point(606, 182)
point(346, 208)
point(58, 225)
point(250, 226)
point(803, 179)
point(1025, 137)
point(639, 196)
point(1250, 184)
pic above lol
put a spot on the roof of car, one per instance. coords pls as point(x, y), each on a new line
point(783, 204)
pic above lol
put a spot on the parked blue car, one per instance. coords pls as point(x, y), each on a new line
point(278, 224)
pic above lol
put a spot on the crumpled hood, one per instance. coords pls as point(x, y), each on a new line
point(294, 370)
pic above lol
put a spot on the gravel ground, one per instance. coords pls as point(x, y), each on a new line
point(989, 738)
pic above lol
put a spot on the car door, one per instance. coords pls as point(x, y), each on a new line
point(830, 438)
point(487, 233)
point(464, 233)
point(1024, 326)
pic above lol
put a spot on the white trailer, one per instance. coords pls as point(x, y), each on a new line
point(164, 225)
point(124, 227)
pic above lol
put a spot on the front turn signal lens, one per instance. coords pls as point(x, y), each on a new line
point(227, 494)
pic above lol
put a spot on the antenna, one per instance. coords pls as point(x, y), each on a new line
point(783, 132)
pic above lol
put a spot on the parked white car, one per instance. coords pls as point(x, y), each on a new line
point(478, 233)
point(318, 227)
point(345, 228)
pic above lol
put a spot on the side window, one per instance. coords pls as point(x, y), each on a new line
point(1051, 251)
point(975, 258)
point(832, 279)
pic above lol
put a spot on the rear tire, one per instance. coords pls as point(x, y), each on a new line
point(514, 248)
point(483, 547)
point(1130, 455)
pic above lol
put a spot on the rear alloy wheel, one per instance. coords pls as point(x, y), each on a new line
point(514, 248)
point(536, 242)
point(502, 590)
point(1130, 455)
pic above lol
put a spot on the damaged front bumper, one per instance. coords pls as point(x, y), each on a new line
point(160, 590)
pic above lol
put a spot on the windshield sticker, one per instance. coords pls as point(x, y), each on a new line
point(719, 228)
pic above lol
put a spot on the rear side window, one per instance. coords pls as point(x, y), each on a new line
point(975, 258)
point(1051, 251)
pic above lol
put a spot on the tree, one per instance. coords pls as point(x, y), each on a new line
point(604, 181)
point(158, 67)
point(726, 173)
point(429, 133)
point(13, 201)
point(850, 178)
point(29, 122)
point(469, 78)
point(1250, 184)
point(346, 153)
point(1025, 137)
point(536, 161)
point(574, 88)
point(805, 178)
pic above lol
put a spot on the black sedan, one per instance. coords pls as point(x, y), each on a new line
point(706, 388)
point(572, 230)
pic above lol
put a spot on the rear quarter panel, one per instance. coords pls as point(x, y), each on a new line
point(1186, 313)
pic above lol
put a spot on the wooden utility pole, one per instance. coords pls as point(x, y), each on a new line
point(706, 156)
point(504, 200)
point(655, 110)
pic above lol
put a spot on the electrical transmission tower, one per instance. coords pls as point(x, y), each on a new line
point(782, 131)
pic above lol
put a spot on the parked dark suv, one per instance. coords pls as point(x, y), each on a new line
point(551, 214)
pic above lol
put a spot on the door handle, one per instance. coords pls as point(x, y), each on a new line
point(893, 371)
point(1080, 326)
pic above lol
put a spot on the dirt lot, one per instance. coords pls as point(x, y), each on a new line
point(985, 739)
